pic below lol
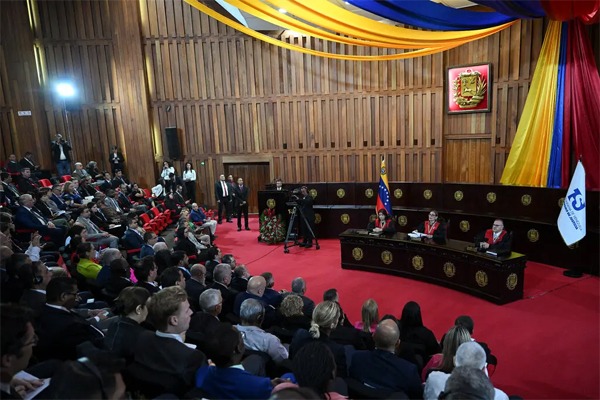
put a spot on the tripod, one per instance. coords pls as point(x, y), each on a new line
point(293, 215)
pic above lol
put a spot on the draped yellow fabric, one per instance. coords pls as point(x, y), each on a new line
point(386, 35)
point(534, 133)
point(347, 23)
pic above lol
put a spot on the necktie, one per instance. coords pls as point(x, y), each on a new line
point(115, 205)
point(38, 216)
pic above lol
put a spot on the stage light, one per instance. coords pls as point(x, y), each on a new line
point(65, 90)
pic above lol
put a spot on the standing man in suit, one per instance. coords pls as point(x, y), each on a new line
point(223, 195)
point(61, 155)
point(279, 185)
point(116, 159)
point(27, 162)
point(241, 195)
point(12, 166)
point(60, 329)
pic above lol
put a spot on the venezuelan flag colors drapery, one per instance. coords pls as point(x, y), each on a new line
point(561, 114)
point(383, 194)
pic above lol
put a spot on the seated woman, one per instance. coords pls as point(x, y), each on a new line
point(414, 334)
point(370, 317)
point(383, 223)
point(444, 361)
point(122, 335)
point(291, 318)
point(86, 265)
point(434, 229)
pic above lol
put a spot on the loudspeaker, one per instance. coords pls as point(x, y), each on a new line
point(173, 142)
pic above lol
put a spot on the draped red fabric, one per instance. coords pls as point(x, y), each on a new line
point(582, 108)
point(565, 10)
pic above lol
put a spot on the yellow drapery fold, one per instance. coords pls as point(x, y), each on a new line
point(350, 26)
point(250, 32)
point(527, 163)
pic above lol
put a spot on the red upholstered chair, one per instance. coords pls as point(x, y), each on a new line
point(147, 193)
point(148, 225)
point(45, 183)
point(65, 178)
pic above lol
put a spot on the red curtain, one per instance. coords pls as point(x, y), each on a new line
point(582, 108)
point(565, 10)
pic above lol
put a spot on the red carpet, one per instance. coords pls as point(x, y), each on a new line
point(547, 344)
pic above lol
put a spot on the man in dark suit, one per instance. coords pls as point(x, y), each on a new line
point(116, 159)
point(26, 217)
point(206, 320)
point(224, 196)
point(25, 183)
point(56, 197)
point(133, 239)
point(18, 340)
point(119, 179)
point(11, 193)
point(496, 240)
point(27, 162)
point(35, 296)
point(162, 358)
point(382, 369)
point(196, 285)
point(60, 329)
point(240, 278)
point(241, 197)
point(61, 155)
point(256, 289)
point(221, 281)
point(299, 288)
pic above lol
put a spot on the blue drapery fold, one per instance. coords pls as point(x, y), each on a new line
point(555, 164)
point(429, 15)
point(515, 8)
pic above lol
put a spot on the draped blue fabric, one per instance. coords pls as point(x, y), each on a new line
point(555, 164)
point(429, 15)
point(515, 8)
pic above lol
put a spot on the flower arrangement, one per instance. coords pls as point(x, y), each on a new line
point(272, 228)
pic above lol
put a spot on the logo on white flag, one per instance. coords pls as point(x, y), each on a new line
point(571, 221)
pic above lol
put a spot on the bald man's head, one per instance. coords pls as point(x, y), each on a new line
point(257, 285)
point(386, 335)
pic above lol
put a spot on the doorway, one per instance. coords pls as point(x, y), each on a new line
point(255, 175)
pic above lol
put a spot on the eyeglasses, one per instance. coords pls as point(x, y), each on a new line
point(432, 215)
point(496, 225)
point(34, 341)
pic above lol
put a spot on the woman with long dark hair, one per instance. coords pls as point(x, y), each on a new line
point(414, 333)
point(383, 223)
point(189, 180)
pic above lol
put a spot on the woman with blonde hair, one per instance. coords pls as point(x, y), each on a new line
point(370, 317)
point(325, 319)
point(444, 361)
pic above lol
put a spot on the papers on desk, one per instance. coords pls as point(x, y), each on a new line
point(415, 236)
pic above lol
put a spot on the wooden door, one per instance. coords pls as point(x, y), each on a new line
point(255, 176)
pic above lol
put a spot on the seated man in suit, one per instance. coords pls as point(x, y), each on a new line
point(18, 340)
point(198, 216)
point(228, 379)
point(150, 239)
point(299, 288)
point(256, 289)
point(271, 296)
point(240, 278)
point(496, 240)
point(162, 357)
point(221, 281)
point(196, 285)
point(132, 239)
point(27, 218)
point(34, 295)
point(26, 183)
point(205, 322)
point(94, 233)
point(60, 329)
point(252, 313)
point(381, 368)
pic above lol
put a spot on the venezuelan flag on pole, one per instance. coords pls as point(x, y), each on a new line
point(383, 196)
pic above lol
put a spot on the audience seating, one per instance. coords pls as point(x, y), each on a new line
point(65, 178)
point(45, 183)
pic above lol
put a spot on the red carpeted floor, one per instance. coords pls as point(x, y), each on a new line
point(547, 344)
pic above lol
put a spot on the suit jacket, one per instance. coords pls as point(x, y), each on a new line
point(124, 201)
point(272, 297)
point(132, 239)
point(384, 370)
point(501, 246)
point(302, 337)
point(60, 203)
point(27, 185)
point(25, 163)
point(166, 362)
point(12, 193)
point(194, 289)
point(219, 192)
point(122, 336)
point(116, 182)
point(239, 284)
point(34, 300)
point(56, 151)
point(26, 219)
point(241, 195)
point(228, 296)
point(61, 331)
point(232, 383)
point(201, 331)
point(148, 286)
point(13, 168)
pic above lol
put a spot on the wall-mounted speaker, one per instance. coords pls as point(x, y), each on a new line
point(173, 148)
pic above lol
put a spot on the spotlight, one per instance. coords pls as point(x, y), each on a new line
point(65, 90)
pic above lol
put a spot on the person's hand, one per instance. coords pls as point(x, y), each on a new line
point(484, 245)
point(277, 381)
point(218, 201)
point(429, 236)
point(35, 239)
point(23, 386)
point(105, 234)
point(415, 231)
point(51, 225)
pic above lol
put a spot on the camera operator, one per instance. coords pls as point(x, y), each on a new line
point(305, 204)
point(61, 150)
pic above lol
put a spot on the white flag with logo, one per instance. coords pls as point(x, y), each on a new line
point(571, 221)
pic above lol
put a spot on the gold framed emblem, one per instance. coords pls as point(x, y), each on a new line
point(271, 203)
point(526, 199)
point(357, 253)
point(491, 197)
point(458, 195)
point(345, 218)
point(511, 281)
point(561, 202)
point(317, 218)
point(369, 193)
point(418, 263)
point(402, 220)
point(449, 269)
point(481, 278)
point(465, 226)
point(340, 193)
point(398, 193)
point(533, 235)
point(386, 257)
point(313, 193)
point(427, 194)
